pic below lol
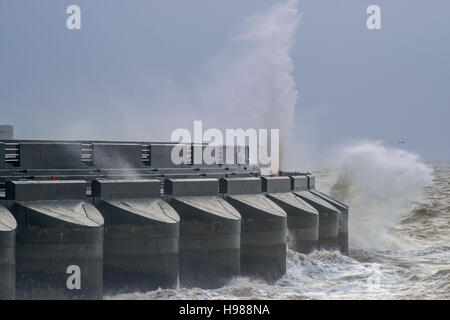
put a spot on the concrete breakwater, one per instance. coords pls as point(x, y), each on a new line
point(79, 220)
point(141, 235)
point(128, 236)
point(57, 229)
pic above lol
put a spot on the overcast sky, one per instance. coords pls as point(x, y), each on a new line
point(125, 74)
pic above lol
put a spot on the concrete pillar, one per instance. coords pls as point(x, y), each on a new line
point(343, 219)
point(328, 214)
point(59, 240)
point(8, 227)
point(302, 219)
point(2, 156)
point(264, 228)
point(209, 233)
point(141, 236)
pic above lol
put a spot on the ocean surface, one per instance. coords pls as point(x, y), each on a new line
point(394, 255)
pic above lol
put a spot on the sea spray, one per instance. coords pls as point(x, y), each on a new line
point(249, 84)
point(420, 272)
point(380, 184)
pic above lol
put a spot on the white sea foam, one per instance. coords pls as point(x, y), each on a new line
point(419, 272)
point(380, 184)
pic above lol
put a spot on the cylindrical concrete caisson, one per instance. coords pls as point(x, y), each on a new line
point(210, 232)
point(328, 214)
point(7, 255)
point(141, 236)
point(302, 219)
point(343, 219)
point(264, 228)
point(59, 240)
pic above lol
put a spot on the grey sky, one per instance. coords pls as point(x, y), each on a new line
point(132, 57)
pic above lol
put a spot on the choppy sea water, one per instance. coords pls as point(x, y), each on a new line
point(410, 259)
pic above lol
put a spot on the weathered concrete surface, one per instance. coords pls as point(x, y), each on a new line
point(264, 228)
point(117, 155)
point(161, 155)
point(126, 189)
point(276, 184)
point(8, 227)
point(245, 185)
point(190, 187)
point(343, 219)
point(2, 156)
point(302, 219)
point(311, 182)
point(209, 233)
point(299, 183)
point(141, 236)
point(302, 222)
point(61, 155)
point(45, 190)
point(53, 235)
point(328, 219)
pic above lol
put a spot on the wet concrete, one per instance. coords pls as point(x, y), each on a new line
point(54, 233)
point(209, 233)
point(264, 228)
point(8, 227)
point(141, 236)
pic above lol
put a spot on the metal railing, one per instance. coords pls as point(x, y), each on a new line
point(87, 155)
point(12, 154)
